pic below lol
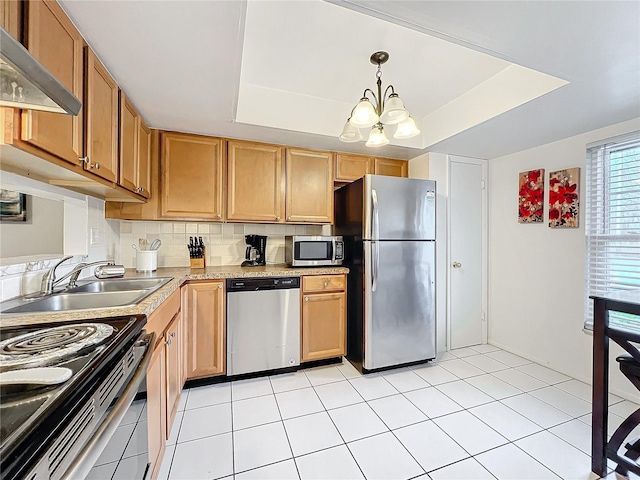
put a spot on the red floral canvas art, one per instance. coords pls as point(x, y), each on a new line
point(530, 196)
point(564, 192)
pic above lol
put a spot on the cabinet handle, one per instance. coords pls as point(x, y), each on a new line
point(167, 341)
point(306, 299)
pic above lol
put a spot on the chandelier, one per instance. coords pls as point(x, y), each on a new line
point(388, 110)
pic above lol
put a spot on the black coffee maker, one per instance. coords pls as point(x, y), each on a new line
point(256, 253)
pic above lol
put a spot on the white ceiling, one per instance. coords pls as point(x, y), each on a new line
point(255, 70)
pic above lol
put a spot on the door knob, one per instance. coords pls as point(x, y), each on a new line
point(457, 265)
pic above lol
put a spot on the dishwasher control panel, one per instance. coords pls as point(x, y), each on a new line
point(268, 283)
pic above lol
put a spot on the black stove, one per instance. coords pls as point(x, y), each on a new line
point(32, 417)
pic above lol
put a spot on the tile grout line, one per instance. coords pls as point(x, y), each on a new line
point(286, 434)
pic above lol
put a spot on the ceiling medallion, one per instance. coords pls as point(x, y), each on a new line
point(388, 110)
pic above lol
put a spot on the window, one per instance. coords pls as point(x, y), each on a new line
point(613, 223)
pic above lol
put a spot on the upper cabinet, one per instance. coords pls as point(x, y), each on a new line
point(255, 182)
point(54, 41)
point(135, 145)
point(101, 120)
point(10, 17)
point(191, 177)
point(391, 167)
point(309, 186)
point(352, 167)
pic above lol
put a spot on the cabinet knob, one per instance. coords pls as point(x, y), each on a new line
point(278, 218)
point(457, 265)
point(306, 299)
point(326, 284)
point(219, 285)
point(94, 165)
point(167, 341)
point(218, 215)
point(289, 219)
point(84, 159)
point(173, 334)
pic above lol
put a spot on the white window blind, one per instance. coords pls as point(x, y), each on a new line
point(612, 226)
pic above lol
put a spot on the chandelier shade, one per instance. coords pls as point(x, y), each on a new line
point(388, 110)
point(406, 129)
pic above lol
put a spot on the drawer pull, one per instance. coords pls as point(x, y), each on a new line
point(306, 299)
point(326, 284)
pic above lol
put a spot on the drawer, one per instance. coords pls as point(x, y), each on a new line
point(323, 283)
point(159, 320)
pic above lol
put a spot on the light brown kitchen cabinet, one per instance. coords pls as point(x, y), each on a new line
point(391, 167)
point(54, 41)
point(205, 315)
point(11, 17)
point(157, 407)
point(255, 182)
point(101, 120)
point(135, 144)
point(351, 167)
point(323, 322)
point(191, 177)
point(172, 349)
point(309, 186)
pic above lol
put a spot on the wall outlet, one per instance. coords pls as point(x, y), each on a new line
point(94, 237)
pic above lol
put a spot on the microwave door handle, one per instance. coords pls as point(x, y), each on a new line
point(332, 249)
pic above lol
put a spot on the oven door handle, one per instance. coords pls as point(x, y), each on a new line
point(88, 456)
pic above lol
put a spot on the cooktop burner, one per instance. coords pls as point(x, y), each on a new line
point(50, 345)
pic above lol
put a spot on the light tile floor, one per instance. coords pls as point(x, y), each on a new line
point(475, 413)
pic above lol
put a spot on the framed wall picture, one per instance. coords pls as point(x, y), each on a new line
point(564, 198)
point(13, 206)
point(531, 196)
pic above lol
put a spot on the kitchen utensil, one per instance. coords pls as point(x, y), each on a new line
point(35, 376)
point(143, 244)
point(155, 245)
point(133, 245)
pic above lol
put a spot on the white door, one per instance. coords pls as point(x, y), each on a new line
point(467, 209)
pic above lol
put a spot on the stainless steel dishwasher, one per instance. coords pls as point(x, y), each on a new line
point(263, 324)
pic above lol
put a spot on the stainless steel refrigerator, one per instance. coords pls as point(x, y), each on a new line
point(388, 225)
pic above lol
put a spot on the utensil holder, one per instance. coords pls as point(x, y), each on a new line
point(146, 260)
point(197, 263)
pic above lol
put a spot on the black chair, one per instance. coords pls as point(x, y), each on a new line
point(630, 367)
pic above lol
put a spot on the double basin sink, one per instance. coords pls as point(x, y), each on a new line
point(110, 293)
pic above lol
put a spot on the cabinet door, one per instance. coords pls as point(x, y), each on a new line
point(206, 327)
point(55, 42)
point(128, 144)
point(10, 17)
point(101, 115)
point(352, 167)
point(391, 167)
point(144, 159)
point(309, 186)
point(323, 326)
point(173, 367)
point(191, 176)
point(156, 407)
point(255, 183)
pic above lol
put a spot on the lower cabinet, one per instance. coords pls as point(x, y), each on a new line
point(205, 317)
point(323, 329)
point(157, 407)
point(172, 340)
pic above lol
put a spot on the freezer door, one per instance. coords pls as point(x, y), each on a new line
point(399, 303)
point(399, 208)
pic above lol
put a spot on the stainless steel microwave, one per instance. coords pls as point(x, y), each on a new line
point(313, 251)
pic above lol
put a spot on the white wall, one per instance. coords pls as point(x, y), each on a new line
point(536, 274)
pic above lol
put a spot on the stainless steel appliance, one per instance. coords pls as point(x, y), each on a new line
point(263, 324)
point(256, 253)
point(58, 429)
point(313, 251)
point(388, 225)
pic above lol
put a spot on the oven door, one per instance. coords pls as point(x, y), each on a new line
point(90, 443)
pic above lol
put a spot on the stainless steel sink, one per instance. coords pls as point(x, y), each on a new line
point(120, 285)
point(90, 295)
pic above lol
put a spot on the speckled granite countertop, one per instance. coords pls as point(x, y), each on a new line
point(180, 276)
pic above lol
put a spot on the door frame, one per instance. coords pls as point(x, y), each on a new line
point(485, 246)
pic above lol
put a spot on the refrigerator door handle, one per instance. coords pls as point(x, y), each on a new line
point(375, 234)
point(375, 264)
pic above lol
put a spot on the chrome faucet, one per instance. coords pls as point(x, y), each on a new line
point(49, 281)
point(49, 278)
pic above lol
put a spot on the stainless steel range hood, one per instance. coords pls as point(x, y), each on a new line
point(25, 83)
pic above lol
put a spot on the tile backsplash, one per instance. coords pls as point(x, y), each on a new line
point(224, 241)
